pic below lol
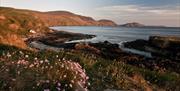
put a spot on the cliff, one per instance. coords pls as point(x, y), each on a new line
point(16, 25)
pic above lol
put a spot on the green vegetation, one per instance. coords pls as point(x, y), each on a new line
point(27, 70)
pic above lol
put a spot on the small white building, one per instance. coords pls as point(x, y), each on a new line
point(32, 31)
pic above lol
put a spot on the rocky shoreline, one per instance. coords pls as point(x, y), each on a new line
point(164, 50)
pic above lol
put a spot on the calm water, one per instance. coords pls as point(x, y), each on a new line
point(119, 34)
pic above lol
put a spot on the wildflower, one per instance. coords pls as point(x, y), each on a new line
point(67, 68)
point(62, 66)
point(35, 58)
point(7, 70)
point(30, 66)
point(38, 84)
point(47, 81)
point(41, 61)
point(64, 76)
point(58, 84)
point(89, 83)
point(13, 79)
point(72, 81)
point(58, 88)
point(26, 56)
point(57, 56)
point(46, 89)
point(18, 72)
point(46, 60)
point(20, 52)
point(70, 85)
point(8, 54)
point(74, 77)
point(63, 59)
point(46, 67)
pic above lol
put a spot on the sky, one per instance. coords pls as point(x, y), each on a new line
point(149, 12)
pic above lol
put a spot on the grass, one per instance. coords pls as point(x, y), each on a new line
point(102, 73)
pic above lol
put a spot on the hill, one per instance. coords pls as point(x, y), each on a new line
point(17, 25)
point(64, 18)
point(133, 24)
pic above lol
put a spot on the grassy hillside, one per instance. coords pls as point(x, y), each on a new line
point(64, 18)
point(16, 25)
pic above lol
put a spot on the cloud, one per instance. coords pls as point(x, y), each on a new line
point(163, 15)
point(130, 9)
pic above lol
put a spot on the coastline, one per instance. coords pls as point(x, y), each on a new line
point(103, 49)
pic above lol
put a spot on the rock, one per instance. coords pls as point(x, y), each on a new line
point(158, 46)
point(165, 41)
point(107, 49)
point(137, 44)
point(86, 47)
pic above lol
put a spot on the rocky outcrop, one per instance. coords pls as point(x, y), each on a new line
point(165, 42)
point(158, 46)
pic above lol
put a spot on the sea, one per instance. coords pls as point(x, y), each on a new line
point(119, 35)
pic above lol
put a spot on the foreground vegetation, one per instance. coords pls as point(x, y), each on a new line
point(24, 70)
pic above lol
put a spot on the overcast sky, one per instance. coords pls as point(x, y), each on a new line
point(149, 12)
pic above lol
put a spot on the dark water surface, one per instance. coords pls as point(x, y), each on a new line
point(119, 34)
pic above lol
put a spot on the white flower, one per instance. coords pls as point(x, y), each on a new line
point(58, 84)
point(8, 55)
point(62, 66)
point(46, 89)
point(67, 68)
point(30, 66)
point(89, 83)
point(64, 76)
point(46, 60)
point(41, 61)
point(26, 56)
point(72, 81)
point(58, 88)
point(70, 85)
point(47, 81)
point(35, 58)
